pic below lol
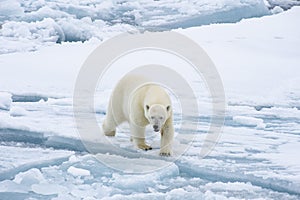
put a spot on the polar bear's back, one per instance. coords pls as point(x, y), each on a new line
point(155, 94)
point(138, 91)
point(121, 94)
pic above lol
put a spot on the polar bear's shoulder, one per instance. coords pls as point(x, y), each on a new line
point(140, 90)
point(156, 94)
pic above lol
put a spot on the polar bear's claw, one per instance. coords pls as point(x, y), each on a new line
point(144, 147)
point(165, 154)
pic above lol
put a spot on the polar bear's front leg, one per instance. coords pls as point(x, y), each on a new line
point(109, 124)
point(138, 136)
point(167, 134)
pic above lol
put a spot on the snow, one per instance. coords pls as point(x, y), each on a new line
point(10, 8)
point(285, 4)
point(18, 157)
point(277, 9)
point(264, 81)
point(137, 165)
point(236, 186)
point(64, 68)
point(17, 111)
point(28, 25)
point(29, 177)
point(249, 121)
point(42, 157)
point(78, 172)
point(5, 100)
point(48, 189)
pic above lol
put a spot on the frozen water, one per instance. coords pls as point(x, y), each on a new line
point(29, 177)
point(249, 121)
point(285, 4)
point(78, 172)
point(48, 189)
point(10, 8)
point(42, 157)
point(5, 100)
point(17, 111)
point(28, 25)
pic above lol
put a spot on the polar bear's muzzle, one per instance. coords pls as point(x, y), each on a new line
point(156, 128)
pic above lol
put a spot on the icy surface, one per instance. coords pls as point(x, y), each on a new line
point(28, 25)
point(5, 100)
point(42, 157)
point(78, 172)
point(285, 4)
point(249, 121)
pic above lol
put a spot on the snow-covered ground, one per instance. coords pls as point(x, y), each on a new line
point(31, 24)
point(284, 4)
point(41, 154)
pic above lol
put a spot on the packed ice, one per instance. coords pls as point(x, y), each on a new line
point(42, 155)
point(28, 25)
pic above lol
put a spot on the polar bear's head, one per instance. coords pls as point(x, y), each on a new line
point(157, 115)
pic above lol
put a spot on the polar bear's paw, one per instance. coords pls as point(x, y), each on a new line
point(165, 152)
point(144, 147)
point(110, 133)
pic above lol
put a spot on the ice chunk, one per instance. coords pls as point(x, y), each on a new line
point(138, 165)
point(73, 159)
point(78, 171)
point(11, 186)
point(10, 9)
point(28, 97)
point(249, 121)
point(285, 4)
point(277, 10)
point(29, 177)
point(46, 30)
point(31, 24)
point(231, 186)
point(84, 191)
point(48, 189)
point(17, 111)
point(180, 193)
point(5, 100)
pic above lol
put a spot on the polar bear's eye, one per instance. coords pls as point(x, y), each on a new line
point(160, 117)
point(147, 107)
point(152, 117)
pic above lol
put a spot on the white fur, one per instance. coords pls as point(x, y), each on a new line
point(141, 104)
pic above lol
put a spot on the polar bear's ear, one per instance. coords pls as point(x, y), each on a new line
point(168, 108)
point(147, 107)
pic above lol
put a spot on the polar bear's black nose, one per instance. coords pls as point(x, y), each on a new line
point(155, 127)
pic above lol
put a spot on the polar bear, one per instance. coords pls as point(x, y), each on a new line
point(140, 103)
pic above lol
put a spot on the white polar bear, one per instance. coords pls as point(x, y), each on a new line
point(141, 103)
